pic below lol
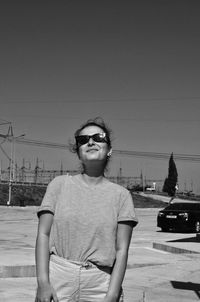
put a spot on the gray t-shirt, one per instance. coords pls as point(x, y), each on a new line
point(86, 217)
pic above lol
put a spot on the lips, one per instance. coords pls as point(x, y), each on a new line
point(91, 150)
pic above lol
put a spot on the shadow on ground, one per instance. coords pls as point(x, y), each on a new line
point(190, 239)
point(187, 286)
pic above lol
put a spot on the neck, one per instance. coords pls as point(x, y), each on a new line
point(91, 179)
point(94, 170)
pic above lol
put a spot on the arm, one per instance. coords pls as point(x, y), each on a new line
point(44, 291)
point(124, 233)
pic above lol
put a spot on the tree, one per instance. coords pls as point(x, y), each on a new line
point(171, 181)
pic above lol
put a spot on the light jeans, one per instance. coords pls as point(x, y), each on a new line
point(78, 282)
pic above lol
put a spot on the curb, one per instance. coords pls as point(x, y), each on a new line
point(18, 271)
point(172, 249)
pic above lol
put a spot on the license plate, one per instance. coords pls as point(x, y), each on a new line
point(171, 216)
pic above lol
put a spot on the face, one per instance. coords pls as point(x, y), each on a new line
point(93, 151)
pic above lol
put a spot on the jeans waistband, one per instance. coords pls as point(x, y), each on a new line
point(85, 264)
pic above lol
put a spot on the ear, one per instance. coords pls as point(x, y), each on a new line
point(109, 153)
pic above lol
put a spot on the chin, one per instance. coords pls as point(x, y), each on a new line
point(95, 159)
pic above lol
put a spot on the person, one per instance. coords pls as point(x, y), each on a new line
point(85, 227)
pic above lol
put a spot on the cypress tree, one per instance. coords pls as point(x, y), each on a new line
point(170, 182)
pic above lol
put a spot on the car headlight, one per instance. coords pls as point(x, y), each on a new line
point(160, 214)
point(184, 215)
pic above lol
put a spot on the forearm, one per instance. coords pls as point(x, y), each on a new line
point(42, 258)
point(117, 275)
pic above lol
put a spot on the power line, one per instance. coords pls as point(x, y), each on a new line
point(141, 119)
point(4, 122)
point(152, 155)
point(189, 98)
point(41, 143)
point(155, 155)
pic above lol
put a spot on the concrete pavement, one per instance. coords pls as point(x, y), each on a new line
point(153, 274)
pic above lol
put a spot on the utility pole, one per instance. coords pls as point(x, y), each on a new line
point(142, 181)
point(192, 185)
point(12, 139)
point(1, 171)
point(10, 175)
point(61, 168)
point(36, 171)
point(119, 176)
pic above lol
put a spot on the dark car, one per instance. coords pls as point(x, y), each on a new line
point(180, 216)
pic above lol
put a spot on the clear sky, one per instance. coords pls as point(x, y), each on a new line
point(135, 63)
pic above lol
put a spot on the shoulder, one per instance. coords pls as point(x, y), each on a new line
point(59, 180)
point(118, 188)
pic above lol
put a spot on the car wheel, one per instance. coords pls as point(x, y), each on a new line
point(197, 227)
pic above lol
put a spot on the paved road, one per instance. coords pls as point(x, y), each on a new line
point(159, 273)
point(152, 275)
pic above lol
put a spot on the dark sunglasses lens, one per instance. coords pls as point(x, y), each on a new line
point(99, 137)
point(82, 139)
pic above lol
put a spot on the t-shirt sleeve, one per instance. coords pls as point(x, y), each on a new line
point(127, 210)
point(49, 200)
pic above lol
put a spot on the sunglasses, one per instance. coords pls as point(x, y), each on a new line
point(97, 138)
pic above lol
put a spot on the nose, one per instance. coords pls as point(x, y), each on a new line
point(90, 142)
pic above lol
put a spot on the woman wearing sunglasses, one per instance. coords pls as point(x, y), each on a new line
point(85, 227)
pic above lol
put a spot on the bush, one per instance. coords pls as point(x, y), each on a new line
point(22, 195)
